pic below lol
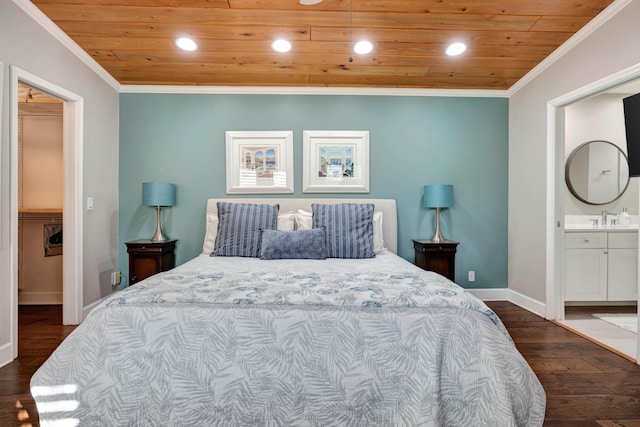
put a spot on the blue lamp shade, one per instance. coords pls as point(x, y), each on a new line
point(438, 196)
point(158, 194)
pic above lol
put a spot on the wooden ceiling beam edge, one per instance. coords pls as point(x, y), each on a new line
point(566, 7)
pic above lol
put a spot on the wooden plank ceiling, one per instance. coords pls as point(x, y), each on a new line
point(134, 40)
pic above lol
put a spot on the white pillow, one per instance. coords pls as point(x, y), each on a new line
point(378, 240)
point(210, 235)
point(304, 221)
point(285, 223)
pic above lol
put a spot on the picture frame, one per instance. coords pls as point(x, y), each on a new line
point(335, 161)
point(259, 162)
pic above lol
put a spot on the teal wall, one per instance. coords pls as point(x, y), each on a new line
point(414, 141)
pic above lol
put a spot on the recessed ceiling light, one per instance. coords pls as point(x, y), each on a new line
point(281, 45)
point(456, 49)
point(363, 47)
point(186, 44)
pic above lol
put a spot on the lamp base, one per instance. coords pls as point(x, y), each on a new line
point(437, 236)
point(159, 235)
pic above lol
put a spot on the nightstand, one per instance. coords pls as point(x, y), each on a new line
point(147, 258)
point(439, 257)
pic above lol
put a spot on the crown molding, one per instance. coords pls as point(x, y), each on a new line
point(291, 90)
point(46, 23)
point(573, 41)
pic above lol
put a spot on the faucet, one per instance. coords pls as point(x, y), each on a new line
point(604, 218)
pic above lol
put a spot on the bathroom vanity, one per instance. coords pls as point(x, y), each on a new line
point(601, 264)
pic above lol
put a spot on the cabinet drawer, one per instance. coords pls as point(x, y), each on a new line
point(623, 240)
point(585, 240)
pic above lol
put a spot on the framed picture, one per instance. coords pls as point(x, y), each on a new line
point(259, 162)
point(335, 161)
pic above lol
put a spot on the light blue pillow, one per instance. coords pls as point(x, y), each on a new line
point(301, 244)
point(239, 228)
point(349, 228)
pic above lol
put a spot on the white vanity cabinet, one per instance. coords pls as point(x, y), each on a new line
point(601, 266)
point(585, 266)
point(622, 276)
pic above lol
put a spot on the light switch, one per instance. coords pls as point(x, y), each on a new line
point(89, 203)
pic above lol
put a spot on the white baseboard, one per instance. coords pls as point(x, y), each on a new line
point(39, 298)
point(86, 310)
point(52, 298)
point(490, 294)
point(504, 294)
point(5, 355)
point(528, 303)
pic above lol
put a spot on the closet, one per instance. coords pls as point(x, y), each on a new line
point(40, 198)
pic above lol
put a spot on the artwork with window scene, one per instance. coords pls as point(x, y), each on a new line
point(259, 162)
point(336, 161)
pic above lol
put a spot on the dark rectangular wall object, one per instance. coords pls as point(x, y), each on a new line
point(631, 106)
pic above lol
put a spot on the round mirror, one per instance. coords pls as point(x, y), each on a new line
point(597, 172)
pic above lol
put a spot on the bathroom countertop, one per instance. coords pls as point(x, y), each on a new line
point(582, 228)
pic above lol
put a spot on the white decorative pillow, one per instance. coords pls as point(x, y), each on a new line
point(378, 240)
point(286, 222)
point(210, 235)
point(304, 221)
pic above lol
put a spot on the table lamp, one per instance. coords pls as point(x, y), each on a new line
point(158, 194)
point(438, 197)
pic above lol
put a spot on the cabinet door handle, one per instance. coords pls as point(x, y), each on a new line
point(586, 240)
point(606, 252)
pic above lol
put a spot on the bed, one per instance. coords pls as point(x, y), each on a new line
point(226, 340)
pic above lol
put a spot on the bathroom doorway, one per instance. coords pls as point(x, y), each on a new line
point(601, 227)
point(584, 309)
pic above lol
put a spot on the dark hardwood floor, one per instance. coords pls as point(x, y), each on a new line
point(40, 331)
point(586, 385)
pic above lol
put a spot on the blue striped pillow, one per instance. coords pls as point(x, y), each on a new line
point(349, 228)
point(239, 226)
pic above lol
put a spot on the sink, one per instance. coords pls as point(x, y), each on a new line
point(591, 227)
point(584, 223)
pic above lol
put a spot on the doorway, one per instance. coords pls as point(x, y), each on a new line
point(556, 187)
point(40, 197)
point(72, 107)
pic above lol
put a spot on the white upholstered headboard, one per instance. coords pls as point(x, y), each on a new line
point(386, 206)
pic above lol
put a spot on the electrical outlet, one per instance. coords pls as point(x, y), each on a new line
point(115, 278)
point(472, 276)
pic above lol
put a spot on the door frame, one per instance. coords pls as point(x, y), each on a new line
point(73, 141)
point(555, 185)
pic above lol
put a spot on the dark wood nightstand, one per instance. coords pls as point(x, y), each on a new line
point(437, 256)
point(147, 258)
